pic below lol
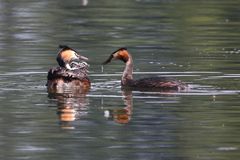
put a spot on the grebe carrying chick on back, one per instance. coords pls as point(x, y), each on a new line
point(151, 83)
point(71, 74)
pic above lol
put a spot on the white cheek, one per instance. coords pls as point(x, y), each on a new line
point(68, 66)
point(76, 55)
point(115, 55)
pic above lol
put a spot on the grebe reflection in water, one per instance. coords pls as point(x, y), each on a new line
point(71, 107)
point(151, 83)
point(121, 115)
point(71, 74)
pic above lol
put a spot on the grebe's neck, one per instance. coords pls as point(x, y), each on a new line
point(128, 71)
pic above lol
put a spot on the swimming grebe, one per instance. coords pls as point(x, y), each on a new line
point(151, 83)
point(71, 74)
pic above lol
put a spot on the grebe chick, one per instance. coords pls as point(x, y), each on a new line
point(151, 83)
point(72, 77)
point(67, 55)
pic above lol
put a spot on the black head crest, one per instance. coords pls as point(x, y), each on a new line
point(120, 49)
point(65, 47)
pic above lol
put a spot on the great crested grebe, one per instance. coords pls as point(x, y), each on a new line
point(71, 74)
point(151, 83)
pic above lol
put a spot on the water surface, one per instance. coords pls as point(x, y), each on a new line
point(196, 42)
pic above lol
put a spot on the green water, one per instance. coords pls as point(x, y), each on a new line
point(196, 42)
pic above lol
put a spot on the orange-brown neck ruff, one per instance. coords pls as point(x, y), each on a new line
point(67, 55)
point(123, 55)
